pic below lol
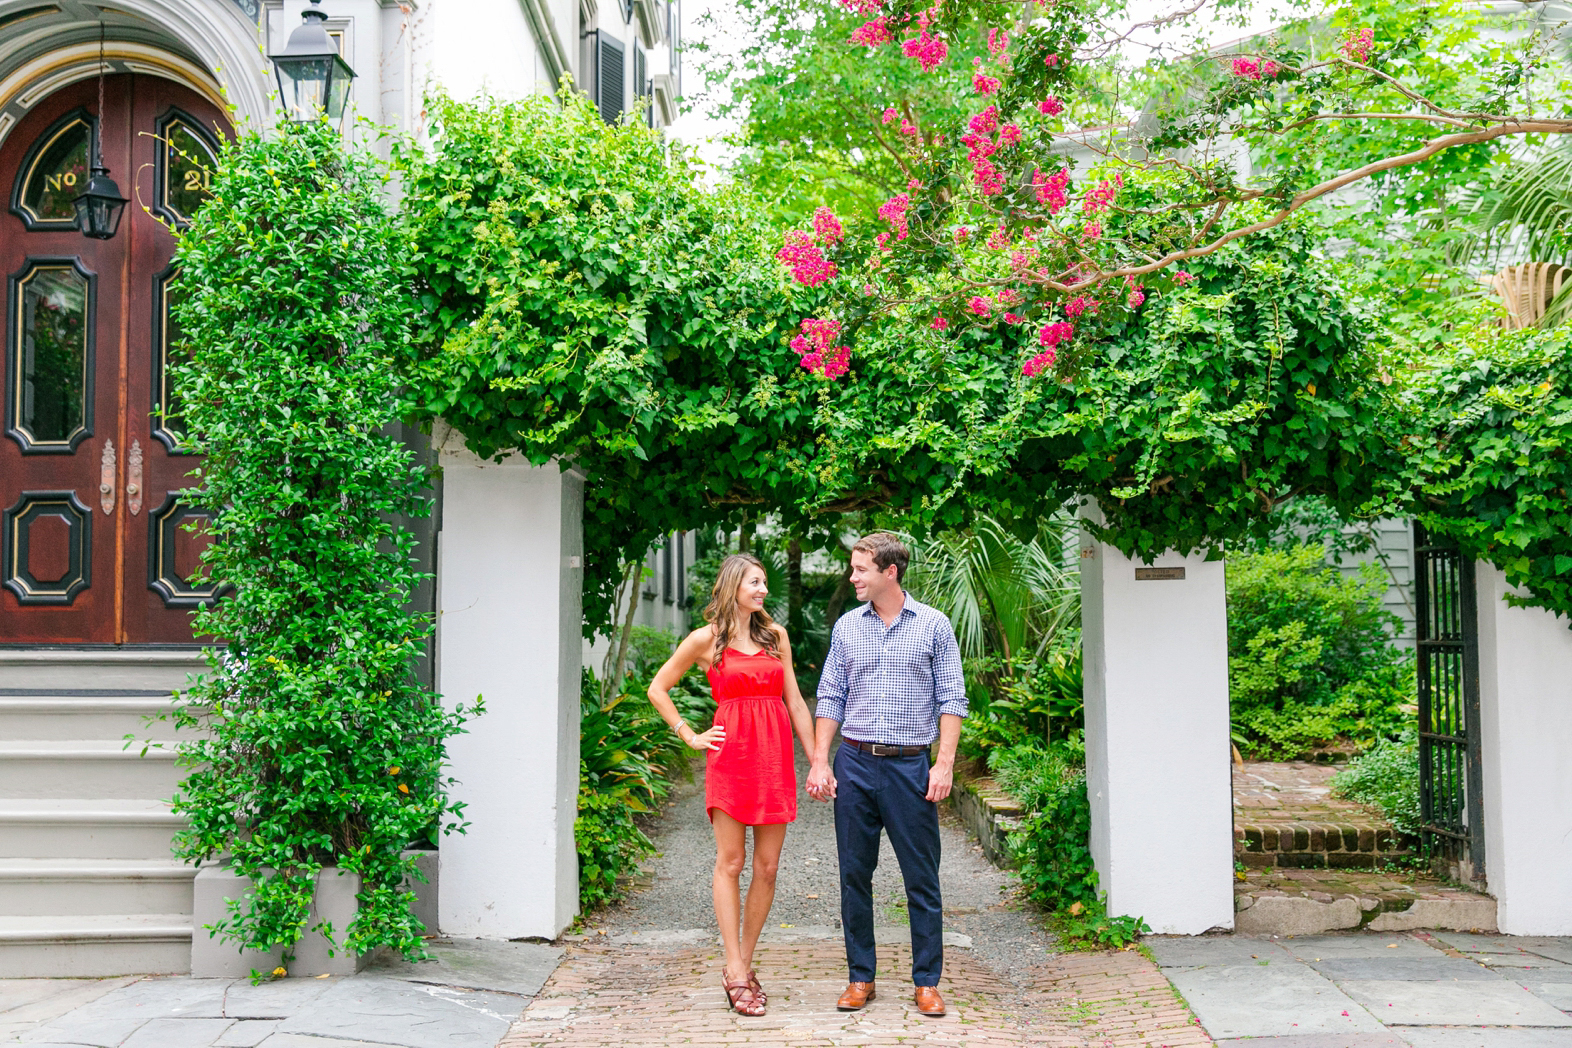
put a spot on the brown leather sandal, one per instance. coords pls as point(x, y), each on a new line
point(740, 997)
point(758, 991)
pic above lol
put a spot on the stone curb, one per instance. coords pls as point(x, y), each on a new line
point(988, 812)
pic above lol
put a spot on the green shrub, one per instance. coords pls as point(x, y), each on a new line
point(1311, 656)
point(313, 742)
point(1052, 846)
point(609, 844)
point(1387, 776)
point(1041, 703)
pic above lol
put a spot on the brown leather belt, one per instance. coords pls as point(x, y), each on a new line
point(879, 749)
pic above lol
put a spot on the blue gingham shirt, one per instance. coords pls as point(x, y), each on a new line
point(889, 684)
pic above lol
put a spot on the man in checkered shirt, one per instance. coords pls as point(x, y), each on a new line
point(892, 684)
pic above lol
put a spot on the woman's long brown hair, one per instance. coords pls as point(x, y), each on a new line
point(721, 611)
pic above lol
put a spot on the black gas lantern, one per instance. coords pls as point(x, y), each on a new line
point(313, 78)
point(100, 205)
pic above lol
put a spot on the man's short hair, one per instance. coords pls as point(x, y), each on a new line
point(885, 549)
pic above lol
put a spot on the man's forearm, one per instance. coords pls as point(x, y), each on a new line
point(949, 738)
point(823, 735)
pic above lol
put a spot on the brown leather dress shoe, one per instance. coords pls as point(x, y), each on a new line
point(929, 1002)
point(857, 994)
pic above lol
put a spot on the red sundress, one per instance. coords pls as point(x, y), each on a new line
point(753, 776)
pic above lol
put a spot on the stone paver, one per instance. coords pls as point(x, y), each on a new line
point(1427, 990)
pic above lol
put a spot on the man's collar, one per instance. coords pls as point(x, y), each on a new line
point(906, 606)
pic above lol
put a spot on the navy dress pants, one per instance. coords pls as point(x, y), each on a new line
point(888, 794)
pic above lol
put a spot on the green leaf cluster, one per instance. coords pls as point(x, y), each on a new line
point(318, 746)
point(1386, 776)
point(1311, 656)
point(1493, 454)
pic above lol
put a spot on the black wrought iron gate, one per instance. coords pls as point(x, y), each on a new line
point(1450, 784)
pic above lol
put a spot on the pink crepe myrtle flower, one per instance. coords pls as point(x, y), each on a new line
point(998, 42)
point(1246, 68)
point(1038, 364)
point(1050, 106)
point(908, 128)
point(862, 7)
point(869, 289)
point(1014, 318)
point(1009, 297)
point(998, 240)
point(986, 122)
point(1050, 189)
point(807, 262)
point(913, 184)
point(881, 241)
point(1078, 305)
point(1091, 231)
point(894, 211)
point(1358, 45)
point(1135, 298)
point(1050, 61)
point(1181, 278)
point(827, 226)
point(980, 306)
point(816, 349)
point(1009, 135)
point(984, 84)
point(1052, 335)
point(987, 178)
point(939, 324)
point(1100, 198)
point(875, 33)
point(930, 51)
point(890, 115)
point(961, 233)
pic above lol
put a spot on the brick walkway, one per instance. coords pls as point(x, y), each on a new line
point(610, 996)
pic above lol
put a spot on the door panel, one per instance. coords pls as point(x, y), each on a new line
point(93, 543)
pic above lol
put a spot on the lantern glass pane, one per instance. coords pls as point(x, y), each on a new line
point(303, 85)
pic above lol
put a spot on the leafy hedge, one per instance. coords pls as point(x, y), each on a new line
point(1386, 776)
point(1494, 457)
point(1311, 656)
point(318, 746)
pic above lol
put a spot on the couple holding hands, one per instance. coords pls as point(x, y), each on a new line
point(892, 685)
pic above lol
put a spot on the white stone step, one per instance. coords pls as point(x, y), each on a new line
point(88, 768)
point(86, 829)
point(84, 715)
point(79, 887)
point(83, 946)
point(158, 669)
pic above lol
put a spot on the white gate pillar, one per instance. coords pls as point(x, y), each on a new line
point(1155, 639)
point(509, 581)
point(1525, 715)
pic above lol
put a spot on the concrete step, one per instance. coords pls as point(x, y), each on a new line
point(159, 669)
point(1312, 902)
point(86, 829)
point(88, 768)
point(94, 946)
point(60, 715)
point(81, 887)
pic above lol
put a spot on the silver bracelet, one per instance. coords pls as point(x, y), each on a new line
point(678, 728)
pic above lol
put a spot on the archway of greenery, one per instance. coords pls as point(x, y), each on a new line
point(588, 299)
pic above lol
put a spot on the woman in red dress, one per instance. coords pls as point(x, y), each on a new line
point(750, 771)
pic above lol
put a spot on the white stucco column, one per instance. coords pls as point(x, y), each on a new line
point(1157, 757)
point(509, 580)
point(1525, 708)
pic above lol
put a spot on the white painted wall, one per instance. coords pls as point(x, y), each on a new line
point(1157, 756)
point(509, 583)
point(1525, 701)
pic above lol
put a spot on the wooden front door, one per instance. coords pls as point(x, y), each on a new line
point(93, 543)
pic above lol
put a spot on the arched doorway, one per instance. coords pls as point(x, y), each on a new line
point(93, 549)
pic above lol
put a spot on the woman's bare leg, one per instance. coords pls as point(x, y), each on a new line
point(767, 842)
point(731, 847)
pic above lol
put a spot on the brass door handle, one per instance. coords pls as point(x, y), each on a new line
point(106, 478)
point(134, 479)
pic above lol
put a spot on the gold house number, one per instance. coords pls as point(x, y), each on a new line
point(199, 180)
point(55, 183)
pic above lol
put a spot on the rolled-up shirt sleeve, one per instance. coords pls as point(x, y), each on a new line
point(832, 688)
point(949, 680)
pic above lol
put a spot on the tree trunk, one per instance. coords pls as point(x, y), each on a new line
point(843, 590)
point(613, 687)
point(745, 537)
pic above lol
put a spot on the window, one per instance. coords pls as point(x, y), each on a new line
point(168, 424)
point(668, 577)
point(609, 87)
point(54, 173)
point(50, 399)
point(641, 83)
point(185, 160)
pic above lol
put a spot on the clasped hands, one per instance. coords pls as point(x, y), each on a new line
point(821, 782)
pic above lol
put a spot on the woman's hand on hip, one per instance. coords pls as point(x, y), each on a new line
point(713, 739)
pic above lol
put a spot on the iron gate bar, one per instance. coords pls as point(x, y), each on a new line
point(1447, 669)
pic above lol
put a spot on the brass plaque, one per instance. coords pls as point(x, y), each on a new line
point(1153, 574)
